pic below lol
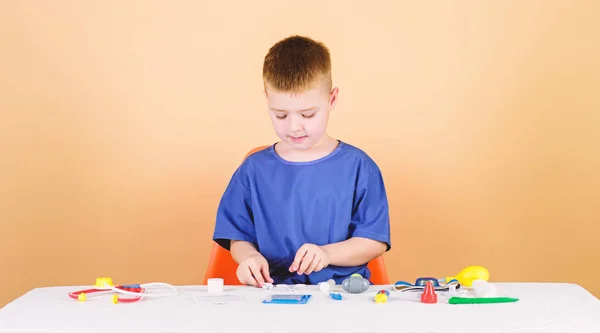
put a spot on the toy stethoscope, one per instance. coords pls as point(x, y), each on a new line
point(464, 278)
point(105, 284)
point(421, 282)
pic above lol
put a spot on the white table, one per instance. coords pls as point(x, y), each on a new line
point(543, 307)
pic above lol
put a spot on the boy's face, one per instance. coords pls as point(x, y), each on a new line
point(300, 119)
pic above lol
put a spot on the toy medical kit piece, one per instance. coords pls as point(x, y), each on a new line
point(484, 289)
point(429, 296)
point(101, 286)
point(291, 287)
point(464, 278)
point(336, 296)
point(481, 300)
point(215, 285)
point(267, 286)
point(105, 284)
point(355, 284)
point(422, 281)
point(469, 274)
point(326, 286)
point(403, 286)
point(453, 292)
point(287, 299)
point(382, 296)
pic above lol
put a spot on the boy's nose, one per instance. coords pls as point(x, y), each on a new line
point(296, 125)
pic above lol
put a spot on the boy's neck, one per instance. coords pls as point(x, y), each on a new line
point(323, 148)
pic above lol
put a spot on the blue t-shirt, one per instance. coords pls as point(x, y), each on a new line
point(280, 205)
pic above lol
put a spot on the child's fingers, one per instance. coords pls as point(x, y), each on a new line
point(265, 272)
point(256, 272)
point(306, 261)
point(320, 266)
point(299, 255)
point(247, 278)
point(313, 265)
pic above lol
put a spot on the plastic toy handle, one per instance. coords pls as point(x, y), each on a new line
point(481, 300)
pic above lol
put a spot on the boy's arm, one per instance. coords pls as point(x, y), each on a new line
point(242, 250)
point(370, 237)
point(234, 223)
point(354, 251)
point(351, 252)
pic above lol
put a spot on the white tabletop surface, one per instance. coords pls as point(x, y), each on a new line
point(543, 307)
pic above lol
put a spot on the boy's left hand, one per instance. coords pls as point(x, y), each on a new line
point(310, 258)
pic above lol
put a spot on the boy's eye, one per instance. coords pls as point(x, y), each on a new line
point(308, 115)
point(281, 116)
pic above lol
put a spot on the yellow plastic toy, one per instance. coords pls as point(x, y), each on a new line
point(381, 296)
point(470, 274)
point(103, 282)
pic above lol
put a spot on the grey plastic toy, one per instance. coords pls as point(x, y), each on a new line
point(355, 284)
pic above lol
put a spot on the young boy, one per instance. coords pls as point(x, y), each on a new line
point(309, 208)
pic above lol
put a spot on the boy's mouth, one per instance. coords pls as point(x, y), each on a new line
point(298, 138)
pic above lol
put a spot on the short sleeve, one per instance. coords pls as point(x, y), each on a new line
point(370, 215)
point(234, 214)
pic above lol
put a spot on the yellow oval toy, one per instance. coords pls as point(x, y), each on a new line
point(470, 274)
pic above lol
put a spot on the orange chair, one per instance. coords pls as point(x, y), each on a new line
point(221, 263)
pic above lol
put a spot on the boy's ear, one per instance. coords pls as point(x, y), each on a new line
point(333, 97)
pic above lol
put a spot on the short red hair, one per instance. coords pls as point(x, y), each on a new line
point(297, 63)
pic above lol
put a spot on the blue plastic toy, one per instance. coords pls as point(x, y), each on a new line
point(420, 284)
point(287, 299)
point(335, 296)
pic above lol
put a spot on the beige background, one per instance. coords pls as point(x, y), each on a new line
point(122, 121)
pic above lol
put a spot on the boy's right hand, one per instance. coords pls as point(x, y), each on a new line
point(254, 271)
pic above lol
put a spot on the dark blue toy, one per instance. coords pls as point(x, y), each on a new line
point(422, 282)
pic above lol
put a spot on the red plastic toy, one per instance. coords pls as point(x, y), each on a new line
point(429, 296)
point(82, 294)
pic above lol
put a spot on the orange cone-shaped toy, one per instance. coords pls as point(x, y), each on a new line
point(429, 295)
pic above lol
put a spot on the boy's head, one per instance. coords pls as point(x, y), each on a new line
point(298, 87)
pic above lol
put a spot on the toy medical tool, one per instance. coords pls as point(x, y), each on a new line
point(327, 285)
point(470, 274)
point(214, 285)
point(420, 284)
point(382, 296)
point(483, 288)
point(336, 296)
point(429, 296)
point(481, 300)
point(422, 281)
point(355, 284)
point(287, 299)
point(290, 287)
point(105, 284)
point(464, 278)
point(452, 289)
